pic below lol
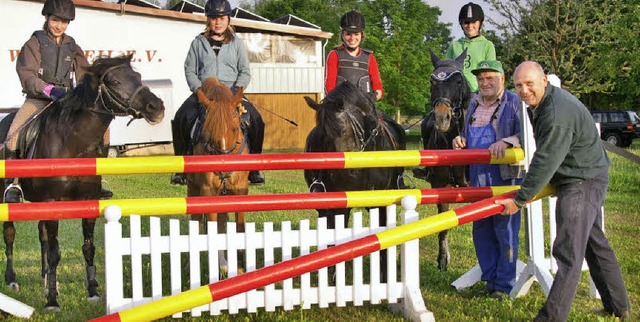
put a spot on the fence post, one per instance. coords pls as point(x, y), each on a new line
point(113, 256)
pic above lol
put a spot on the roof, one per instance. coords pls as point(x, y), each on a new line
point(292, 20)
point(245, 18)
point(244, 14)
point(187, 6)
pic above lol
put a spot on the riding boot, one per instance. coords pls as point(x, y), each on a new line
point(253, 125)
point(13, 191)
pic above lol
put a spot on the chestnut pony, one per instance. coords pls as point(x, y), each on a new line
point(220, 135)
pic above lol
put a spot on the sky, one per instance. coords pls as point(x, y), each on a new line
point(450, 10)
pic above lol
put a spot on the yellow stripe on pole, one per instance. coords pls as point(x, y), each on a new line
point(166, 306)
point(3, 169)
point(417, 229)
point(499, 190)
point(510, 156)
point(153, 206)
point(373, 159)
point(139, 165)
point(4, 212)
point(386, 197)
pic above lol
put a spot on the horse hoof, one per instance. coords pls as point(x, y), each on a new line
point(52, 306)
point(14, 286)
point(94, 298)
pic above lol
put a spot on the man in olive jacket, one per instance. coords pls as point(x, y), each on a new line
point(570, 156)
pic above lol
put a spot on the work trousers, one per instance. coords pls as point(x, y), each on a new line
point(580, 236)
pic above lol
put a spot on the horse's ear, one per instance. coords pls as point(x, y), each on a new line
point(313, 104)
point(238, 97)
point(129, 58)
point(460, 59)
point(434, 58)
point(202, 98)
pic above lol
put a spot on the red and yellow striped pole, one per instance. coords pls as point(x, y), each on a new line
point(194, 205)
point(311, 262)
point(211, 163)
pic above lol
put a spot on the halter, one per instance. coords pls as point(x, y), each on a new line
point(122, 106)
point(456, 109)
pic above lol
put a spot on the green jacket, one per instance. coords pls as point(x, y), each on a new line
point(568, 147)
point(478, 49)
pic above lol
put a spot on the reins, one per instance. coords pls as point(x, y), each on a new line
point(123, 107)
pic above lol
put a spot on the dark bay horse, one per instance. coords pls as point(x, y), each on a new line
point(450, 96)
point(347, 120)
point(73, 127)
point(220, 134)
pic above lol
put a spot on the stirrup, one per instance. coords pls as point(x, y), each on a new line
point(7, 192)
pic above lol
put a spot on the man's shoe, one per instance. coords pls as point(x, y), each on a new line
point(255, 178)
point(105, 193)
point(499, 295)
point(624, 315)
point(179, 179)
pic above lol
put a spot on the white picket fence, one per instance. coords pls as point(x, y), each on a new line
point(143, 280)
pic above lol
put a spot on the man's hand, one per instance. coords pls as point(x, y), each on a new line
point(459, 143)
point(497, 149)
point(510, 206)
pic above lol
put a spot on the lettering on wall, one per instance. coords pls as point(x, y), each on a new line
point(139, 56)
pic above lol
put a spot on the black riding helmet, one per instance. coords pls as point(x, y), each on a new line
point(64, 9)
point(471, 12)
point(217, 8)
point(352, 21)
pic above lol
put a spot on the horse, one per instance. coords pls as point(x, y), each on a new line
point(73, 127)
point(347, 120)
point(450, 96)
point(220, 134)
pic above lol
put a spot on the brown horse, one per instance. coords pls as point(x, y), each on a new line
point(220, 135)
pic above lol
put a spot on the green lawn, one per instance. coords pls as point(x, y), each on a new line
point(622, 218)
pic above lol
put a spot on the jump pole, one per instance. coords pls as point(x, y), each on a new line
point(212, 163)
point(194, 205)
point(314, 261)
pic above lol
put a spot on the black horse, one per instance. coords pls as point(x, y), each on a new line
point(73, 128)
point(346, 121)
point(450, 96)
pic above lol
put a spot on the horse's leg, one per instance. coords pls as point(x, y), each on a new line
point(89, 252)
point(240, 229)
point(382, 222)
point(50, 227)
point(9, 234)
point(443, 242)
point(44, 252)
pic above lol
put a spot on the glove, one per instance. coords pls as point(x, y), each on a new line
point(54, 92)
point(57, 93)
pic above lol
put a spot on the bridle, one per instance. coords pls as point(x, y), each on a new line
point(112, 103)
point(359, 133)
point(457, 110)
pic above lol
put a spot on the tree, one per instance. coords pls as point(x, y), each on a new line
point(589, 44)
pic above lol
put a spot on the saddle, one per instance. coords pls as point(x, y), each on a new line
point(27, 139)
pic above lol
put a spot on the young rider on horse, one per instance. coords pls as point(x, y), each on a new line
point(351, 63)
point(217, 52)
point(48, 66)
point(478, 47)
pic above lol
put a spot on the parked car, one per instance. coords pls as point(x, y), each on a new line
point(618, 127)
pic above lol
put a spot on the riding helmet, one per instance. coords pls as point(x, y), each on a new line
point(471, 12)
point(352, 21)
point(64, 9)
point(217, 8)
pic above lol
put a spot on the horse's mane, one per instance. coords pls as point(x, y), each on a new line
point(218, 101)
point(344, 96)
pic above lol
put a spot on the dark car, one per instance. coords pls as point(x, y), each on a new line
point(618, 127)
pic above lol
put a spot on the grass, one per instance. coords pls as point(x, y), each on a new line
point(622, 222)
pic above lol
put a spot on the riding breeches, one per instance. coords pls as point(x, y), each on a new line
point(251, 123)
point(31, 107)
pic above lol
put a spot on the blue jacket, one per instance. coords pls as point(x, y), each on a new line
point(230, 66)
point(509, 116)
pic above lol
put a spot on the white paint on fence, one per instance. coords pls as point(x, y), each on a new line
point(144, 278)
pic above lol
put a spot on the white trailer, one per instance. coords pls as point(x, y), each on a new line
point(158, 40)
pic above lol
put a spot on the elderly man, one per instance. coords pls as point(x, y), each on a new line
point(493, 122)
point(570, 156)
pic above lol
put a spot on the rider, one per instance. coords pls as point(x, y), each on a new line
point(48, 66)
point(478, 47)
point(217, 52)
point(352, 63)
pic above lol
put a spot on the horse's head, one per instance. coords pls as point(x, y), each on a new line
point(121, 92)
point(221, 128)
point(347, 117)
point(450, 91)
